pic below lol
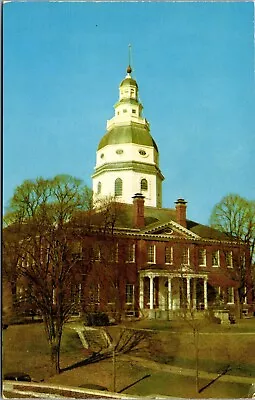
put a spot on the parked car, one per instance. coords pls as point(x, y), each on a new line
point(93, 387)
point(17, 376)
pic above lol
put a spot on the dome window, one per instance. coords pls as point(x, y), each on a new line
point(119, 151)
point(142, 152)
point(99, 187)
point(144, 185)
point(118, 187)
point(133, 111)
point(102, 155)
point(125, 110)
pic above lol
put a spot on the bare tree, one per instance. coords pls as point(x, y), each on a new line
point(235, 216)
point(40, 215)
point(108, 251)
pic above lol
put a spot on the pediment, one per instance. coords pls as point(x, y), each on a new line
point(170, 228)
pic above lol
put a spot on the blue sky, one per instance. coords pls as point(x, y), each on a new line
point(194, 64)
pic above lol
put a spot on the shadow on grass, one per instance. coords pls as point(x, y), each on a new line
point(134, 383)
point(96, 357)
point(228, 368)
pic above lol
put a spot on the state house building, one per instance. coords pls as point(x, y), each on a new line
point(151, 261)
point(163, 261)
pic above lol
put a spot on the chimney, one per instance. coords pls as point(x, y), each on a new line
point(181, 212)
point(138, 210)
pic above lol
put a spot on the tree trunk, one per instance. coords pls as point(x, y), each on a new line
point(196, 337)
point(55, 355)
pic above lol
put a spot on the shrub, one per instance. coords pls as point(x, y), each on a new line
point(96, 319)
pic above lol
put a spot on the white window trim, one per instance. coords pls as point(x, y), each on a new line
point(216, 265)
point(133, 253)
point(97, 255)
point(204, 257)
point(231, 259)
point(188, 256)
point(171, 255)
point(154, 254)
point(232, 295)
point(133, 293)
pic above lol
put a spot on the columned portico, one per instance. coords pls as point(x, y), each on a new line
point(169, 297)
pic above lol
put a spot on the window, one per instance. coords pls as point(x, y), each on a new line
point(119, 151)
point(229, 259)
point(144, 185)
point(129, 294)
point(133, 111)
point(168, 255)
point(202, 257)
point(113, 253)
point(185, 256)
point(131, 253)
point(230, 295)
point(96, 253)
point(125, 110)
point(75, 293)
point(242, 260)
point(151, 254)
point(118, 187)
point(94, 294)
point(215, 258)
point(99, 187)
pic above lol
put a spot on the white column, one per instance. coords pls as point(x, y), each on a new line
point(205, 294)
point(141, 293)
point(188, 292)
point(169, 293)
point(162, 289)
point(151, 293)
point(194, 293)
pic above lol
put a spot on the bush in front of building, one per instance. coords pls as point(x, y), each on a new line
point(96, 319)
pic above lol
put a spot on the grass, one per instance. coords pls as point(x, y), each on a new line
point(180, 386)
point(25, 349)
point(245, 325)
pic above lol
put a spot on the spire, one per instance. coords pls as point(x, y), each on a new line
point(129, 68)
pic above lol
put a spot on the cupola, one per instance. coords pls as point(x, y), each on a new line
point(127, 159)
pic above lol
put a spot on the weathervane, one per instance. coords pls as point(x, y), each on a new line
point(129, 68)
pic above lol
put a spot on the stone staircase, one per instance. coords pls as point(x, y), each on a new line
point(95, 339)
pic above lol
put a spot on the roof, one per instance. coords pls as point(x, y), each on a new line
point(158, 216)
point(157, 224)
point(132, 133)
point(207, 232)
point(128, 81)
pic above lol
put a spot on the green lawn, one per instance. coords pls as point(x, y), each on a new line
point(179, 386)
point(25, 349)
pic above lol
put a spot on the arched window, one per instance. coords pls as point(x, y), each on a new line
point(99, 187)
point(144, 185)
point(118, 187)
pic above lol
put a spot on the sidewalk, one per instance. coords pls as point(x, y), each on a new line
point(188, 372)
